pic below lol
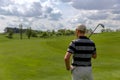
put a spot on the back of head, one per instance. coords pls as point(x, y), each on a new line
point(81, 28)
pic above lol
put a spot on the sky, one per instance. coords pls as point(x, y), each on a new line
point(59, 14)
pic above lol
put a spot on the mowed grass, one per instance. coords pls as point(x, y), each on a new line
point(42, 59)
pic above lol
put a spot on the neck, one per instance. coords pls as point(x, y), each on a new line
point(81, 34)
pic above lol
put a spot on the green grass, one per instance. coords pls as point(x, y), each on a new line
point(42, 59)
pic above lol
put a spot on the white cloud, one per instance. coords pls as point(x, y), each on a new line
point(26, 10)
point(56, 14)
point(52, 12)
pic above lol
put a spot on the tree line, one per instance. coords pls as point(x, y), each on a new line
point(35, 33)
point(44, 34)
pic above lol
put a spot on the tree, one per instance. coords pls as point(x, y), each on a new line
point(61, 31)
point(20, 26)
point(59, 34)
point(69, 32)
point(117, 30)
point(103, 30)
point(107, 30)
point(29, 32)
point(53, 32)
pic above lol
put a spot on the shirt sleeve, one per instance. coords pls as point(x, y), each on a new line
point(71, 49)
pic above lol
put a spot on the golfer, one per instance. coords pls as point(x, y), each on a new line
point(82, 50)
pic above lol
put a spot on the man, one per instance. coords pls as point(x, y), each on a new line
point(82, 49)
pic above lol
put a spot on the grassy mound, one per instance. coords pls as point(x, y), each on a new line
point(42, 59)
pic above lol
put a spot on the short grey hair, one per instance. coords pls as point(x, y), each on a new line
point(81, 27)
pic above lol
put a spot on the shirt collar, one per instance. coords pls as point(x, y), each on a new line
point(83, 37)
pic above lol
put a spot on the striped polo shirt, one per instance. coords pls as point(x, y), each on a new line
point(82, 49)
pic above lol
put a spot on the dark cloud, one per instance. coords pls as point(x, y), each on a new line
point(95, 4)
point(42, 27)
point(12, 25)
point(117, 17)
point(55, 15)
point(60, 26)
point(2, 17)
point(117, 11)
point(51, 11)
point(5, 2)
point(98, 16)
point(65, 0)
point(48, 9)
point(36, 9)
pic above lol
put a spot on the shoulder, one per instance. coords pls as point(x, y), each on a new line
point(91, 41)
point(74, 41)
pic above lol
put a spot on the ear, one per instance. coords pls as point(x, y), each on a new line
point(78, 31)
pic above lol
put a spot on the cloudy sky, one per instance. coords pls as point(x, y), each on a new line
point(59, 14)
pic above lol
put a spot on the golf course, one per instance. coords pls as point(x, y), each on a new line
point(43, 58)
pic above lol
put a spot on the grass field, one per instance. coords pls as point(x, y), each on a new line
point(42, 59)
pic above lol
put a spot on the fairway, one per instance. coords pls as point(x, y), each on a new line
point(43, 59)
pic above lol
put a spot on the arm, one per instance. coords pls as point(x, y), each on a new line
point(67, 60)
point(94, 55)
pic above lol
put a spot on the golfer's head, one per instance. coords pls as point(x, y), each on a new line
point(81, 28)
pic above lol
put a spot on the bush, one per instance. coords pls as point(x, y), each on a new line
point(10, 34)
point(44, 35)
point(34, 34)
